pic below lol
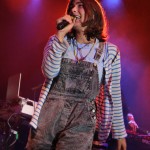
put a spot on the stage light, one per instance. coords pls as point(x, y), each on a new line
point(112, 4)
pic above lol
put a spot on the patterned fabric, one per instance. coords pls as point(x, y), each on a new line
point(112, 67)
point(111, 107)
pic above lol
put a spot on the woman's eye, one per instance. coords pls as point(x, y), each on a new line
point(80, 5)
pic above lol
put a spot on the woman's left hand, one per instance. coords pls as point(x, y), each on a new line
point(121, 144)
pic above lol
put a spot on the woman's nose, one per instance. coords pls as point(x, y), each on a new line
point(74, 9)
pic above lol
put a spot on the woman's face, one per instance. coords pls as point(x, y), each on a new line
point(79, 12)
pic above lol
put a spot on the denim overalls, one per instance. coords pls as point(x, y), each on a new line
point(68, 117)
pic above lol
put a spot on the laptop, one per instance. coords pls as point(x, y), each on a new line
point(13, 95)
point(13, 88)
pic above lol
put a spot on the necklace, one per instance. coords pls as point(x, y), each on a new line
point(78, 51)
point(80, 47)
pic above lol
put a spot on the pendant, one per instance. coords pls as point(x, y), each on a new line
point(77, 62)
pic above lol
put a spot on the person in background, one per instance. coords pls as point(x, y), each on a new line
point(81, 93)
point(130, 122)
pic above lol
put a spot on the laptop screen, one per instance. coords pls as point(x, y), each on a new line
point(13, 88)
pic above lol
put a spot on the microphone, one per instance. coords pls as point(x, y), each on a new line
point(62, 24)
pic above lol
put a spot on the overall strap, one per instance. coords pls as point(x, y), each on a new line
point(99, 51)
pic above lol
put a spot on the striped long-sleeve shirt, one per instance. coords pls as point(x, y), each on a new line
point(112, 118)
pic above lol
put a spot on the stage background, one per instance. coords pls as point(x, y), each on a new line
point(25, 26)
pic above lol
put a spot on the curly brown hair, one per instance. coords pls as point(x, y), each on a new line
point(96, 20)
